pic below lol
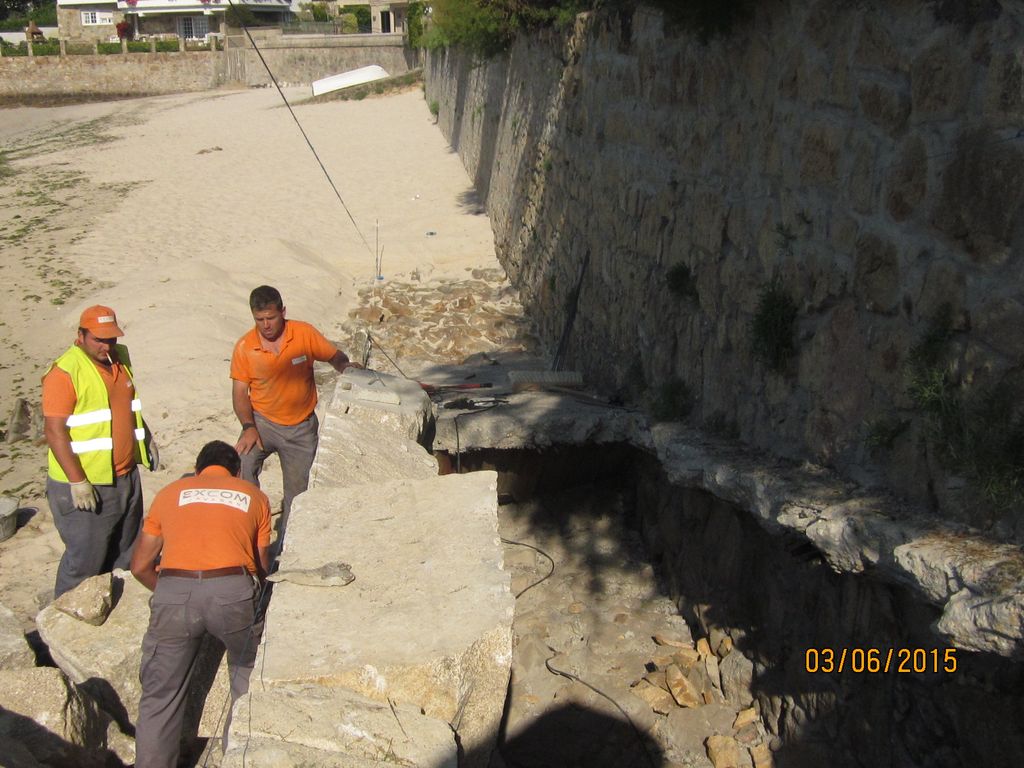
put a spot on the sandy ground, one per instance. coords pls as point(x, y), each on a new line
point(171, 210)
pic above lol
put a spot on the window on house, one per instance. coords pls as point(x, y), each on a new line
point(96, 17)
point(194, 27)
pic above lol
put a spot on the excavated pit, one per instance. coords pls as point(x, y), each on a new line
point(636, 556)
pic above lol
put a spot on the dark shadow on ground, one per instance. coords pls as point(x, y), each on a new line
point(24, 742)
point(576, 737)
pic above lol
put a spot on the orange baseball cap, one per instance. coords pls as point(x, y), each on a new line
point(100, 321)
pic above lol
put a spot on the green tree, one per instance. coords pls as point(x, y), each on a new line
point(362, 13)
point(15, 8)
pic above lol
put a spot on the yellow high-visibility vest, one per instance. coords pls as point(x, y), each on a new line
point(90, 426)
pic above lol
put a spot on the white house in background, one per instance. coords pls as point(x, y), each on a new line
point(388, 15)
point(191, 19)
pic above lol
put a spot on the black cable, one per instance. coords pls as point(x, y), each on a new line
point(535, 549)
point(376, 343)
point(261, 593)
point(571, 676)
point(303, 132)
point(455, 421)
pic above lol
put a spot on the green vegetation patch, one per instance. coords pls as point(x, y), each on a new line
point(487, 27)
point(977, 431)
point(773, 328)
point(680, 282)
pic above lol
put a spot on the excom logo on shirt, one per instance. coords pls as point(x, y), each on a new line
point(235, 499)
point(298, 360)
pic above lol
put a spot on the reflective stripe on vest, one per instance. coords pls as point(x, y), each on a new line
point(90, 417)
point(90, 427)
point(96, 444)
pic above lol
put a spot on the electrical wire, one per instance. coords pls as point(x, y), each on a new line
point(570, 676)
point(535, 549)
point(261, 610)
point(309, 143)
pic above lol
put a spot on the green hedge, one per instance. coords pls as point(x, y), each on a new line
point(486, 27)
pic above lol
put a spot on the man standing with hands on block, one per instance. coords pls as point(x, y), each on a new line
point(92, 420)
point(211, 532)
point(274, 394)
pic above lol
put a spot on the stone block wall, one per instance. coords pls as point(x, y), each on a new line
point(864, 157)
point(293, 62)
point(137, 74)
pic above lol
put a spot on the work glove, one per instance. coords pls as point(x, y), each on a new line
point(83, 496)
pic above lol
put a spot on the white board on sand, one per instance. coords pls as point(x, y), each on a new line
point(346, 79)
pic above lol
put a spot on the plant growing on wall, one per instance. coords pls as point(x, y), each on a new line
point(680, 282)
point(414, 13)
point(977, 432)
point(773, 328)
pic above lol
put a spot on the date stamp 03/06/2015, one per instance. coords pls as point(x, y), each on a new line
point(880, 660)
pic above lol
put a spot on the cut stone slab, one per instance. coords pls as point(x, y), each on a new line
point(55, 723)
point(15, 652)
point(427, 621)
point(104, 660)
point(383, 400)
point(357, 452)
point(532, 420)
point(333, 726)
point(977, 583)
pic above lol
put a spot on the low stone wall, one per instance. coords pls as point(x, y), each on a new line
point(134, 74)
point(294, 60)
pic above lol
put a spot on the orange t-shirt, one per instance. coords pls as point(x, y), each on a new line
point(281, 386)
point(210, 520)
point(59, 400)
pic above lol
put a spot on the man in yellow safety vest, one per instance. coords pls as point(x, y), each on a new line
point(92, 419)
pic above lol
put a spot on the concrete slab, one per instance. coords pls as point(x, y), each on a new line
point(427, 621)
point(356, 452)
point(532, 420)
point(314, 725)
point(371, 397)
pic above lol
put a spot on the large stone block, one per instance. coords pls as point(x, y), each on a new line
point(56, 724)
point(885, 107)
point(908, 179)
point(315, 725)
point(104, 660)
point(539, 420)
point(15, 651)
point(427, 621)
point(982, 197)
point(819, 153)
point(939, 83)
point(355, 452)
point(383, 400)
point(877, 274)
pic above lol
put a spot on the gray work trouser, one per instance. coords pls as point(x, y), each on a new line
point(182, 612)
point(99, 541)
point(295, 447)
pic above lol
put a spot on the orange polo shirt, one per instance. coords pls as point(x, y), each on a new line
point(211, 520)
point(281, 386)
point(59, 400)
